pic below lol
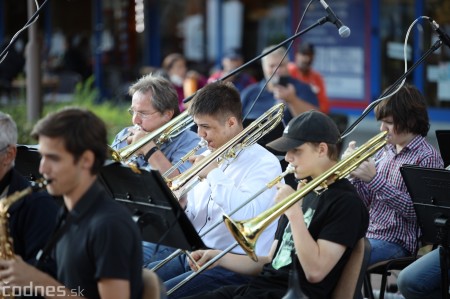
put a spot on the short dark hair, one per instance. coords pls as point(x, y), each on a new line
point(170, 60)
point(80, 129)
point(408, 109)
point(333, 149)
point(164, 95)
point(220, 99)
point(306, 49)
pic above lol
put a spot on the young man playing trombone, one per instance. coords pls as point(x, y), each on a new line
point(319, 231)
point(392, 232)
point(217, 111)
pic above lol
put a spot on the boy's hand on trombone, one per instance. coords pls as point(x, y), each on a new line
point(350, 149)
point(366, 171)
point(207, 169)
point(283, 192)
point(202, 257)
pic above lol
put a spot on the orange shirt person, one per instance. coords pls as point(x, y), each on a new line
point(302, 70)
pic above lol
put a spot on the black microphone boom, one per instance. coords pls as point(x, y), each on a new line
point(344, 31)
point(442, 35)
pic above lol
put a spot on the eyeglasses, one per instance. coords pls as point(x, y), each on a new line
point(3, 149)
point(143, 115)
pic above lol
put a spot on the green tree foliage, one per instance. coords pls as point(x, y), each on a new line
point(114, 115)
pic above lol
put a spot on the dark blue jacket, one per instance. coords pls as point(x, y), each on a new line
point(32, 219)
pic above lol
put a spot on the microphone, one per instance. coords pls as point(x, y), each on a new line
point(344, 31)
point(442, 35)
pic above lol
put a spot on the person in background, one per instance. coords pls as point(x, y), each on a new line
point(154, 103)
point(97, 247)
point(302, 70)
point(10, 67)
point(185, 81)
point(318, 233)
point(297, 95)
point(422, 279)
point(393, 222)
point(32, 219)
point(231, 60)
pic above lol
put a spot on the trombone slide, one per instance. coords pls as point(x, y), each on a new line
point(289, 169)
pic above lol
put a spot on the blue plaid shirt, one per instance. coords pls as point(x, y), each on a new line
point(391, 210)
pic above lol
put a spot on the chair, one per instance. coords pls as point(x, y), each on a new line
point(153, 287)
point(385, 268)
point(351, 281)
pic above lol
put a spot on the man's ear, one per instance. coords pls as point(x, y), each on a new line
point(232, 121)
point(323, 149)
point(87, 159)
point(168, 114)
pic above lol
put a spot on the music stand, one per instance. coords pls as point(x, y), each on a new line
point(27, 162)
point(443, 140)
point(153, 205)
point(429, 189)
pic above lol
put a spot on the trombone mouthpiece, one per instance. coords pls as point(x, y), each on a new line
point(290, 168)
point(202, 143)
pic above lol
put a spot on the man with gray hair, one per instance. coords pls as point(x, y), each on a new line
point(33, 218)
point(154, 103)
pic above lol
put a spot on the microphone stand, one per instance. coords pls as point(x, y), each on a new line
point(433, 48)
point(319, 22)
point(30, 21)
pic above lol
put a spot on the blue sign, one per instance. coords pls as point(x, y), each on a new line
point(341, 61)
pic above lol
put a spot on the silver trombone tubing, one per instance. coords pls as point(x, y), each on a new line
point(203, 268)
point(183, 159)
point(289, 169)
point(124, 137)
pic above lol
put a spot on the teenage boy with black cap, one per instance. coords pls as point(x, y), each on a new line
point(321, 230)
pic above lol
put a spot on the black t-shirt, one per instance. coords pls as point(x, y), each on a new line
point(101, 241)
point(337, 215)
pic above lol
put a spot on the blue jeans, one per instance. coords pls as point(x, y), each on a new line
point(154, 252)
point(383, 250)
point(421, 279)
point(177, 270)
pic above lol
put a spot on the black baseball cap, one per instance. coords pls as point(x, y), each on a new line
point(311, 126)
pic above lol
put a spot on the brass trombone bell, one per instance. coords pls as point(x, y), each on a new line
point(246, 232)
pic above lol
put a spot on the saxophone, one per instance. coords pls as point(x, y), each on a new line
point(6, 242)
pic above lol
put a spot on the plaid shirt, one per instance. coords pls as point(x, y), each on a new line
point(391, 210)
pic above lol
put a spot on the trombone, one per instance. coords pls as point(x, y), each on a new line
point(246, 232)
point(161, 135)
point(125, 137)
point(289, 169)
point(250, 135)
point(183, 159)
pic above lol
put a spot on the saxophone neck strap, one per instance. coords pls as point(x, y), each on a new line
point(61, 228)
